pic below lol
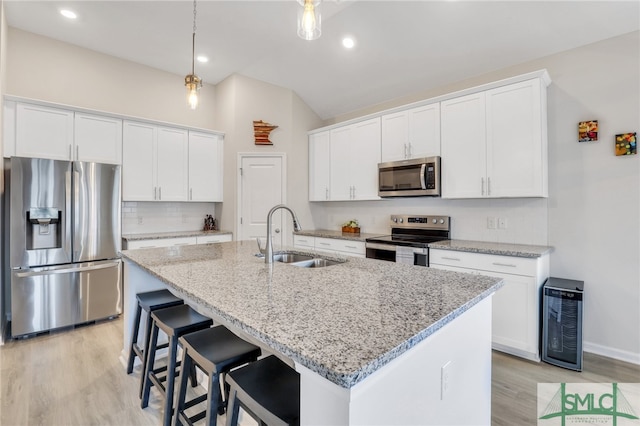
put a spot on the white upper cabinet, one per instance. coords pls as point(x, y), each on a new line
point(139, 162)
point(494, 143)
point(172, 164)
point(464, 147)
point(319, 166)
point(517, 141)
point(97, 138)
point(354, 157)
point(205, 167)
point(411, 133)
point(43, 132)
point(59, 134)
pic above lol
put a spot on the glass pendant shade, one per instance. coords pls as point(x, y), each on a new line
point(309, 19)
point(193, 84)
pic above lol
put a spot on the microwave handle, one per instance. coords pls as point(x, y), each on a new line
point(423, 169)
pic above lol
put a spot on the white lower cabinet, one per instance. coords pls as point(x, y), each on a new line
point(516, 306)
point(330, 245)
point(219, 238)
point(178, 241)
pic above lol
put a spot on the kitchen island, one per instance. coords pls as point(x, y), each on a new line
point(374, 342)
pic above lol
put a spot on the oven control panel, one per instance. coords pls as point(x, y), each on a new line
point(420, 222)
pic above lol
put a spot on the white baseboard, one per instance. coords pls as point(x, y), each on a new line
point(626, 356)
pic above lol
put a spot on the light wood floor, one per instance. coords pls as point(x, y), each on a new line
point(75, 377)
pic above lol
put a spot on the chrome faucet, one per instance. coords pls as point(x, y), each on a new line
point(268, 253)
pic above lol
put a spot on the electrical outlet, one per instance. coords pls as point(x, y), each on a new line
point(445, 379)
point(491, 222)
point(502, 223)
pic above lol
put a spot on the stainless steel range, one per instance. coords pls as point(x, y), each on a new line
point(409, 239)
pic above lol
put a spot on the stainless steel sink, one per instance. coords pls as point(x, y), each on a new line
point(291, 257)
point(315, 263)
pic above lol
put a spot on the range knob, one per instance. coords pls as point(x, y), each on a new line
point(435, 220)
point(401, 220)
point(395, 219)
point(441, 220)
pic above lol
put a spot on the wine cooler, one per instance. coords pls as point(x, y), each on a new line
point(562, 323)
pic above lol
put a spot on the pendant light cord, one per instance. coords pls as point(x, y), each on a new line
point(193, 41)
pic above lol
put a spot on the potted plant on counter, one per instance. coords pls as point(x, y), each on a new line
point(351, 226)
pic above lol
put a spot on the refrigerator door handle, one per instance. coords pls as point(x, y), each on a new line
point(65, 270)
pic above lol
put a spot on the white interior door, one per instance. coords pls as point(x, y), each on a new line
point(262, 179)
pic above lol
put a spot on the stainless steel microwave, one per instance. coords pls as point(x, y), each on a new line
point(417, 177)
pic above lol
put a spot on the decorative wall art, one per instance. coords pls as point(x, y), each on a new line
point(626, 144)
point(588, 131)
point(261, 130)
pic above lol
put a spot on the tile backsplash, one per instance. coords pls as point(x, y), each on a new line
point(148, 217)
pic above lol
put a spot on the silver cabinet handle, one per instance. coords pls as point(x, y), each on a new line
point(191, 193)
point(482, 185)
point(508, 265)
point(324, 244)
point(405, 151)
point(351, 247)
point(409, 150)
point(155, 192)
point(159, 193)
point(488, 186)
point(451, 258)
point(70, 154)
point(181, 244)
point(326, 193)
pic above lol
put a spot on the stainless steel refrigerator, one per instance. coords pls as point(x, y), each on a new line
point(64, 239)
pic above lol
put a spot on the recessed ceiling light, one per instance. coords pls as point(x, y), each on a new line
point(202, 58)
point(348, 42)
point(68, 14)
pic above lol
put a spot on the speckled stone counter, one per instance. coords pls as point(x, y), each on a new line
point(342, 321)
point(503, 249)
point(326, 233)
point(177, 234)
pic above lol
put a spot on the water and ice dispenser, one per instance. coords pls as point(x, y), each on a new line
point(44, 230)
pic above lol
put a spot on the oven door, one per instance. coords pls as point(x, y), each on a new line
point(381, 251)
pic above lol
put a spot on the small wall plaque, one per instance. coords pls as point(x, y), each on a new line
point(261, 130)
point(626, 144)
point(588, 131)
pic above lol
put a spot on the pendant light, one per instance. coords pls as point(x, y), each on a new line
point(192, 81)
point(309, 19)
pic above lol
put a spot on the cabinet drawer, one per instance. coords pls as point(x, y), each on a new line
point(484, 262)
point(304, 241)
point(345, 246)
point(161, 242)
point(213, 239)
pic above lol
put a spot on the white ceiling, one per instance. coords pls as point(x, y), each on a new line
point(402, 46)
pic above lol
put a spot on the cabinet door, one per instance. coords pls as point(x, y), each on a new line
point(365, 156)
point(43, 132)
point(319, 166)
point(395, 136)
point(463, 147)
point(516, 150)
point(340, 170)
point(172, 164)
point(138, 162)
point(515, 315)
point(424, 131)
point(205, 167)
point(98, 139)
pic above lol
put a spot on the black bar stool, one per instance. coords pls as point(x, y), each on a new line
point(215, 351)
point(268, 389)
point(174, 322)
point(149, 301)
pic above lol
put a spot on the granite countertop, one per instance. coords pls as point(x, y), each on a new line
point(326, 233)
point(503, 249)
point(177, 234)
point(343, 321)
